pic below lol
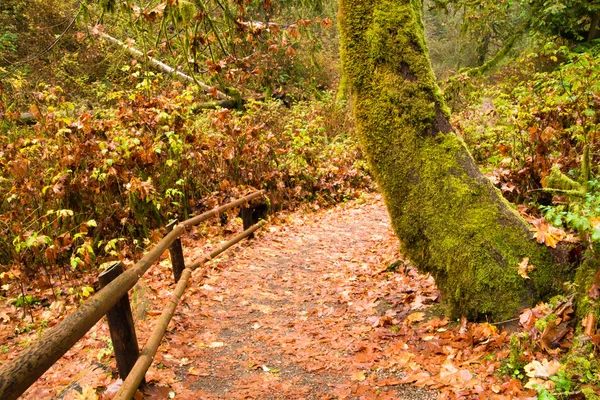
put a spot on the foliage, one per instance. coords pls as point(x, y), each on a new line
point(481, 28)
point(533, 126)
point(268, 47)
point(541, 113)
point(84, 185)
point(580, 214)
point(571, 19)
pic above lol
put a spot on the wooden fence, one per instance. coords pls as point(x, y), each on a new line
point(112, 300)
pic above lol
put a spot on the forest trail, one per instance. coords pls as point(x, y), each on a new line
point(307, 310)
point(304, 311)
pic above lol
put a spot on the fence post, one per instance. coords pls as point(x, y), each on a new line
point(120, 323)
point(176, 252)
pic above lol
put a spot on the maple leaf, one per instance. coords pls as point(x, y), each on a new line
point(544, 369)
point(113, 388)
point(524, 268)
point(4, 317)
point(552, 335)
point(548, 133)
point(483, 332)
point(415, 317)
point(546, 233)
point(527, 319)
point(447, 369)
point(327, 23)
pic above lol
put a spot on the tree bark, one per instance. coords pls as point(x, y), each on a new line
point(594, 32)
point(451, 221)
point(492, 62)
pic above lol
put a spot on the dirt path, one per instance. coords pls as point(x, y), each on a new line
point(304, 311)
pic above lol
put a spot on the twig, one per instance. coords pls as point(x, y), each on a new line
point(504, 322)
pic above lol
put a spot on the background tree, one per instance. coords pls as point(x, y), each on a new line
point(575, 20)
point(250, 47)
point(450, 219)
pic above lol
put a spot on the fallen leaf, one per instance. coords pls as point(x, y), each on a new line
point(552, 335)
point(113, 388)
point(87, 393)
point(359, 376)
point(415, 317)
point(524, 268)
point(527, 319)
point(546, 233)
point(465, 375)
point(544, 369)
point(4, 317)
point(447, 369)
point(197, 372)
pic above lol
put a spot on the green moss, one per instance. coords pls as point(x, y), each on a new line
point(514, 363)
point(582, 365)
point(585, 166)
point(490, 64)
point(450, 219)
point(558, 180)
point(584, 279)
point(542, 323)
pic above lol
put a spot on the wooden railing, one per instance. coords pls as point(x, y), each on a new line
point(20, 373)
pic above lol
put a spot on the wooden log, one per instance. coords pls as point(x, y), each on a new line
point(17, 375)
point(203, 217)
point(131, 384)
point(164, 67)
point(120, 324)
point(176, 251)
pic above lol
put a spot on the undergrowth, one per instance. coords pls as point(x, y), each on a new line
point(534, 128)
point(84, 186)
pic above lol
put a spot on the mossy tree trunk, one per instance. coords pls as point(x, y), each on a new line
point(450, 219)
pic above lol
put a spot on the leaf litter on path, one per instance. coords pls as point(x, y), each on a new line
point(309, 310)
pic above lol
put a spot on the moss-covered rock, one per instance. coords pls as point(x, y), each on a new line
point(450, 219)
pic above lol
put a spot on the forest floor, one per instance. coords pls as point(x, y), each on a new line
point(307, 310)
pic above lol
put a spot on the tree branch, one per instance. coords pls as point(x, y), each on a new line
point(163, 67)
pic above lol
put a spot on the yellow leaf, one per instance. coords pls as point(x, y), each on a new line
point(546, 233)
point(359, 376)
point(415, 317)
point(524, 268)
point(87, 393)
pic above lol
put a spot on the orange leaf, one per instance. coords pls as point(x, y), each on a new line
point(548, 133)
point(415, 317)
point(546, 233)
point(524, 268)
point(359, 376)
